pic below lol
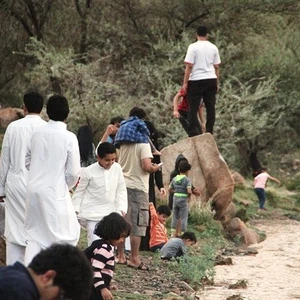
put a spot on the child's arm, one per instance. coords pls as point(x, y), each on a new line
point(201, 116)
point(175, 105)
point(275, 179)
point(153, 212)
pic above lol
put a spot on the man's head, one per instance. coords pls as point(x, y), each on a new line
point(202, 31)
point(189, 238)
point(61, 271)
point(137, 112)
point(184, 166)
point(33, 103)
point(106, 155)
point(58, 108)
point(163, 212)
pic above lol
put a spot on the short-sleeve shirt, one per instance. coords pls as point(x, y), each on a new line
point(130, 159)
point(180, 184)
point(203, 55)
point(260, 180)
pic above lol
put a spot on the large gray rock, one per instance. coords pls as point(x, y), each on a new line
point(209, 170)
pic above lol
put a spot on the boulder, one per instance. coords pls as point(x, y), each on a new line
point(238, 179)
point(209, 170)
point(9, 114)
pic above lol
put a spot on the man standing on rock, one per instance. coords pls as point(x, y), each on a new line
point(201, 80)
point(13, 175)
point(53, 161)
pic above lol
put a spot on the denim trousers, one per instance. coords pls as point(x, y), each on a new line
point(260, 192)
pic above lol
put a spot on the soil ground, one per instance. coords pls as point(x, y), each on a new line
point(272, 273)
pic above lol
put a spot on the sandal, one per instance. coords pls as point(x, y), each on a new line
point(141, 267)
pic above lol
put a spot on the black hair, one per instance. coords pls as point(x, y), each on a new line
point(137, 112)
point(112, 226)
point(74, 274)
point(202, 31)
point(105, 148)
point(188, 235)
point(33, 102)
point(58, 108)
point(117, 119)
point(85, 142)
point(164, 209)
point(184, 166)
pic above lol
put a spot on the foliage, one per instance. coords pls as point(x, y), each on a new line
point(293, 184)
point(107, 56)
point(196, 268)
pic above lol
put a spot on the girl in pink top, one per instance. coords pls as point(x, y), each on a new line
point(259, 184)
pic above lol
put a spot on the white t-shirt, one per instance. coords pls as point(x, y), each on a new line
point(203, 55)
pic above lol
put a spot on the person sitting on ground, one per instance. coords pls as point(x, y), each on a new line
point(259, 183)
point(180, 111)
point(181, 186)
point(134, 130)
point(177, 247)
point(58, 272)
point(86, 146)
point(112, 230)
point(158, 231)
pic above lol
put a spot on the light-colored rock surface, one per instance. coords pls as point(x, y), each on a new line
point(209, 170)
point(272, 274)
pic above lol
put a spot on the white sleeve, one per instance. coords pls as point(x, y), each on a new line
point(78, 196)
point(5, 162)
point(121, 194)
point(190, 57)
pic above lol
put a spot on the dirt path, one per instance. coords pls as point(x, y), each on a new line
point(272, 274)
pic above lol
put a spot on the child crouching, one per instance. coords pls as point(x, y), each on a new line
point(177, 247)
point(112, 230)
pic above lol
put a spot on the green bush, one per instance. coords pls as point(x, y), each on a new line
point(194, 269)
point(293, 184)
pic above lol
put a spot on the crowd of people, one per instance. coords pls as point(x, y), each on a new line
point(113, 190)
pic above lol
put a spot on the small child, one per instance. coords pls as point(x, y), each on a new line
point(112, 230)
point(158, 231)
point(177, 247)
point(134, 130)
point(180, 111)
point(259, 184)
point(181, 186)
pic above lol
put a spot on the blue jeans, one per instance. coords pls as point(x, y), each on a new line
point(261, 197)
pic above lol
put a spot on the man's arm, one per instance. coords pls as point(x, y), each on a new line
point(187, 73)
point(4, 164)
point(73, 163)
point(217, 71)
point(148, 167)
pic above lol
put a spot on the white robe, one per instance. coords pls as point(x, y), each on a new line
point(13, 175)
point(53, 160)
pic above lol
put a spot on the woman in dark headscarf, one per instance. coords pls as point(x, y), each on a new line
point(86, 146)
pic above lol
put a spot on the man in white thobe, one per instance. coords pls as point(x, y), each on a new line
point(13, 175)
point(53, 161)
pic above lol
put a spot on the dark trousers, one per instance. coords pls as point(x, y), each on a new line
point(261, 197)
point(197, 89)
point(183, 119)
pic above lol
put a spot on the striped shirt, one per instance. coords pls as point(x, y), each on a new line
point(101, 254)
point(158, 231)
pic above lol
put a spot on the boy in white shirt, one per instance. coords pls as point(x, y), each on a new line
point(101, 190)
